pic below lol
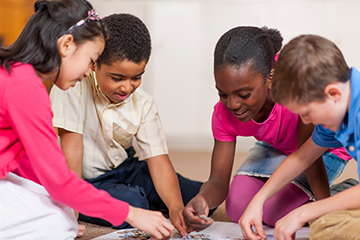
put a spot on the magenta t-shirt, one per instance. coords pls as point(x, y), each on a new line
point(280, 129)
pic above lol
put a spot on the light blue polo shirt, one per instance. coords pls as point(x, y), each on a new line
point(348, 134)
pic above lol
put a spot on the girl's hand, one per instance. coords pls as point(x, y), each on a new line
point(196, 207)
point(177, 219)
point(151, 222)
point(287, 226)
point(252, 217)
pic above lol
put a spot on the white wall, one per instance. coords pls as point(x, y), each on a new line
point(184, 33)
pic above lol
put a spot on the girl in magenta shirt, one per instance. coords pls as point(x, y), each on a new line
point(243, 67)
point(58, 44)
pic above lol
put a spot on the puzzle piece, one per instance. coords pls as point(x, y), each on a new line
point(202, 216)
point(270, 237)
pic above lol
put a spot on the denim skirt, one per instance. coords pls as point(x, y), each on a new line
point(263, 160)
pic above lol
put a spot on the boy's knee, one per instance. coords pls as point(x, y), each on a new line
point(134, 195)
point(189, 188)
point(336, 225)
point(323, 228)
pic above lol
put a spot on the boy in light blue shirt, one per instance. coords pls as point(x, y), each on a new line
point(313, 80)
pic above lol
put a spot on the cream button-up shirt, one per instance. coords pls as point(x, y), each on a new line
point(108, 129)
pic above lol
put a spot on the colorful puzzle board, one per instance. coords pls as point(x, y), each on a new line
point(217, 231)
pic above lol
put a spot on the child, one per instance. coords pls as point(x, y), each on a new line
point(58, 43)
point(313, 80)
point(105, 114)
point(243, 69)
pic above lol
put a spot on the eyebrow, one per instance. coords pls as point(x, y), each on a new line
point(237, 90)
point(121, 75)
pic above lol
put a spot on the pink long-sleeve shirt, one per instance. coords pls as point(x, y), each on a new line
point(27, 138)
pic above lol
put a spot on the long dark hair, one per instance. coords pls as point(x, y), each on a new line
point(37, 43)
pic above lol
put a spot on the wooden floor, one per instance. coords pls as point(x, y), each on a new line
point(196, 166)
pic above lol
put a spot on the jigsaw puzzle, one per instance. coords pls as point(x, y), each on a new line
point(135, 234)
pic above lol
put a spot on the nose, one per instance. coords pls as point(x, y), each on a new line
point(126, 86)
point(87, 73)
point(233, 103)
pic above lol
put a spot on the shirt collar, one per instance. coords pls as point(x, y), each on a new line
point(354, 106)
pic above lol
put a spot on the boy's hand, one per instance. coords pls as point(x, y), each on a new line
point(287, 226)
point(196, 207)
point(252, 217)
point(177, 219)
point(152, 222)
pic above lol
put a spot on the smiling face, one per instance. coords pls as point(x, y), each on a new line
point(244, 93)
point(120, 79)
point(76, 60)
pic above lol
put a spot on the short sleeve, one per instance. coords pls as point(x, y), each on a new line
point(325, 138)
point(150, 136)
point(219, 123)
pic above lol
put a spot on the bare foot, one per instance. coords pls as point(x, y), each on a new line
point(81, 231)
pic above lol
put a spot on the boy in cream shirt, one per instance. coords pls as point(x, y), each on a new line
point(106, 114)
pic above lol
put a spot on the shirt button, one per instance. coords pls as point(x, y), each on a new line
point(111, 144)
point(107, 129)
point(117, 157)
point(351, 148)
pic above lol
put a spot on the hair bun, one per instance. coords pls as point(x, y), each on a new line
point(275, 38)
point(40, 5)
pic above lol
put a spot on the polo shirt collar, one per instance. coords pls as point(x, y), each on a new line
point(354, 107)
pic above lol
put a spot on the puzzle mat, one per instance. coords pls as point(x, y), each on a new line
point(218, 230)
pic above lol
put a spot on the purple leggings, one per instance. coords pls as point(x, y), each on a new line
point(243, 188)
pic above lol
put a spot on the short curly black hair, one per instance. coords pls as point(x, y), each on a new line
point(128, 39)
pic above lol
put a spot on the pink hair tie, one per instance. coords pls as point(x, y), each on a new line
point(276, 57)
point(92, 16)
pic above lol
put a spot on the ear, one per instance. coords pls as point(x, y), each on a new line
point(65, 44)
point(93, 66)
point(269, 79)
point(333, 91)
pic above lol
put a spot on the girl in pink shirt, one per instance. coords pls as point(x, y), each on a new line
point(243, 68)
point(58, 44)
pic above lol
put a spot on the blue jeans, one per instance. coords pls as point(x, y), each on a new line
point(263, 160)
